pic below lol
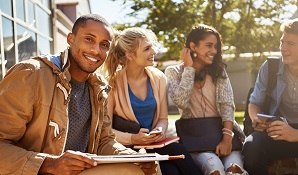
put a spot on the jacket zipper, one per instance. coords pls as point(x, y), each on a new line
point(66, 95)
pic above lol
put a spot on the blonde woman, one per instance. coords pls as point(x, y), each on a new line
point(139, 95)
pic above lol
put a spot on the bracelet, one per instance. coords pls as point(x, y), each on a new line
point(232, 135)
point(227, 130)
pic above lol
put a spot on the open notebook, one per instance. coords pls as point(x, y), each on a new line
point(157, 144)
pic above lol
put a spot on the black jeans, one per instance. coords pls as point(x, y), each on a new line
point(179, 166)
point(259, 149)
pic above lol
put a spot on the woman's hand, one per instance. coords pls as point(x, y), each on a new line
point(144, 138)
point(224, 148)
point(160, 133)
point(185, 55)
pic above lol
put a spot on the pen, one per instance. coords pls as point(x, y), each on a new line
point(176, 157)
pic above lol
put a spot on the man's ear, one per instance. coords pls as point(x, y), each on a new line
point(70, 38)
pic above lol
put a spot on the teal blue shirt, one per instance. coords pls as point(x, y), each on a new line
point(144, 110)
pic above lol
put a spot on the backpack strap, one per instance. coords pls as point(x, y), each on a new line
point(273, 64)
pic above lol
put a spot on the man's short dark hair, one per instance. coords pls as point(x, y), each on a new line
point(290, 26)
point(81, 22)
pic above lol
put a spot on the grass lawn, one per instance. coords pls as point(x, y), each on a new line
point(238, 116)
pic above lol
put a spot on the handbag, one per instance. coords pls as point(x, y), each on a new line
point(203, 134)
point(123, 125)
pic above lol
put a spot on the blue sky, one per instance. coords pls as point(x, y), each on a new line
point(111, 11)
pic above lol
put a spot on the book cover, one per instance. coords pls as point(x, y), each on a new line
point(157, 144)
point(134, 158)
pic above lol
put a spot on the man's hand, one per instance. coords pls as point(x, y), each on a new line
point(69, 163)
point(279, 130)
point(258, 124)
point(148, 168)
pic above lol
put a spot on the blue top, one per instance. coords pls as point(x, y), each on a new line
point(144, 110)
point(259, 94)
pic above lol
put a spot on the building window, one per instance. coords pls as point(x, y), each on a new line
point(47, 3)
point(31, 14)
point(26, 31)
point(8, 38)
point(43, 21)
point(44, 45)
point(8, 7)
point(20, 9)
point(26, 42)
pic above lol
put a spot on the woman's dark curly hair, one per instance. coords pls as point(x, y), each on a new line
point(199, 33)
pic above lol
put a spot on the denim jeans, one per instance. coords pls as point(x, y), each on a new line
point(184, 166)
point(259, 149)
point(209, 162)
point(114, 169)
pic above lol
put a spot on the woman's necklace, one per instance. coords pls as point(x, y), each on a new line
point(203, 102)
point(200, 79)
point(201, 75)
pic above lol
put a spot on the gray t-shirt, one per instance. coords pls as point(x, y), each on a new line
point(288, 107)
point(79, 116)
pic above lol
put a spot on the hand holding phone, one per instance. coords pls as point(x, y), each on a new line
point(267, 119)
point(156, 131)
point(270, 118)
point(264, 117)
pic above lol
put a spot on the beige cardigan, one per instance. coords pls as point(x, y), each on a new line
point(119, 102)
point(181, 83)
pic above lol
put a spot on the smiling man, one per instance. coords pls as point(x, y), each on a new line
point(277, 140)
point(53, 110)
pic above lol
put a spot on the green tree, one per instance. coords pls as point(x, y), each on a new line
point(245, 25)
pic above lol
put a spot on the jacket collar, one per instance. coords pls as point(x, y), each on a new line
point(60, 65)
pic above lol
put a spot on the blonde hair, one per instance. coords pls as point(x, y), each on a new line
point(290, 26)
point(126, 41)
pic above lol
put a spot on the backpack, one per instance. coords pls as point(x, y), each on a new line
point(273, 64)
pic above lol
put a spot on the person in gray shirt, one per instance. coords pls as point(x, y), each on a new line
point(278, 139)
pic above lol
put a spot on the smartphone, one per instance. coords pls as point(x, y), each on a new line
point(155, 132)
point(270, 118)
point(264, 117)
